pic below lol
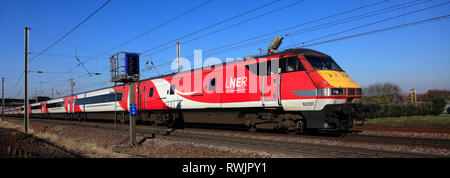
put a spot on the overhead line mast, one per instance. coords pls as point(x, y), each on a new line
point(26, 101)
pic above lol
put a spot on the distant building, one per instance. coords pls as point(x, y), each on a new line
point(11, 102)
point(39, 99)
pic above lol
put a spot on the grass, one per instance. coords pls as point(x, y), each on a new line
point(86, 149)
point(441, 121)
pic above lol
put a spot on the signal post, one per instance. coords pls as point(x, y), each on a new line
point(125, 69)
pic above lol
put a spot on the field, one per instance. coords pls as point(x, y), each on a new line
point(441, 121)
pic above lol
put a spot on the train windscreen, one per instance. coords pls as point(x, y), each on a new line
point(322, 63)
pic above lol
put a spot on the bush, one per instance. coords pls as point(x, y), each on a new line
point(397, 111)
point(424, 110)
point(411, 110)
point(391, 110)
point(438, 105)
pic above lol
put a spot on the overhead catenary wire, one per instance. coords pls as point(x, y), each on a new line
point(368, 15)
point(211, 26)
point(299, 25)
point(322, 26)
point(291, 27)
point(145, 33)
point(57, 41)
point(326, 40)
point(73, 29)
point(263, 15)
point(373, 23)
point(236, 24)
point(374, 31)
point(383, 20)
point(335, 14)
point(67, 44)
point(156, 27)
point(379, 30)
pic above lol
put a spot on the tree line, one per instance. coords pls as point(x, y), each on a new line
point(388, 100)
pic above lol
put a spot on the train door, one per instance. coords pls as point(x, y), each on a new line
point(298, 92)
point(71, 104)
point(270, 83)
point(174, 101)
point(143, 96)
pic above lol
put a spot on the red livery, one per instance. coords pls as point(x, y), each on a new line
point(293, 90)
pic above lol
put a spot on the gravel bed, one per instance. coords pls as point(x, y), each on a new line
point(107, 143)
point(404, 132)
point(163, 148)
point(14, 144)
point(92, 142)
point(330, 142)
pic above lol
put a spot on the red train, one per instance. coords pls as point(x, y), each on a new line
point(294, 90)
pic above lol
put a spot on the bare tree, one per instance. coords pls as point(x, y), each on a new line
point(389, 89)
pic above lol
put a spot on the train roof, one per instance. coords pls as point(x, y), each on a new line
point(302, 51)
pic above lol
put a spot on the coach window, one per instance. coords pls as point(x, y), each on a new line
point(172, 89)
point(212, 84)
point(151, 92)
point(118, 96)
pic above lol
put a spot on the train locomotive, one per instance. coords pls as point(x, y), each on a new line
point(295, 90)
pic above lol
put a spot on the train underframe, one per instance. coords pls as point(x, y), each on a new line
point(336, 117)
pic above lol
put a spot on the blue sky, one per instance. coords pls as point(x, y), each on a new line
point(413, 57)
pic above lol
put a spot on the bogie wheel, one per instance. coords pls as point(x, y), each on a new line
point(297, 127)
point(252, 129)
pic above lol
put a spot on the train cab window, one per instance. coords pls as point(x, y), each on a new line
point(291, 64)
point(151, 92)
point(271, 67)
point(253, 68)
point(322, 63)
point(264, 68)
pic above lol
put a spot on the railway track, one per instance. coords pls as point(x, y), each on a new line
point(281, 145)
point(438, 143)
point(313, 150)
